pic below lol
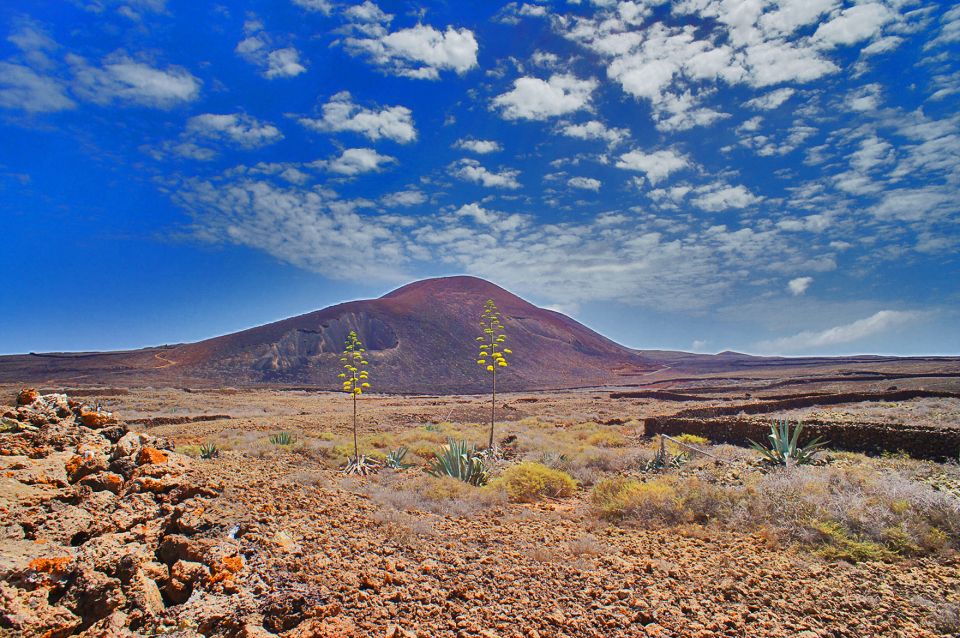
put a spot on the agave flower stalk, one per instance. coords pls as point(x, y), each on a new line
point(354, 378)
point(492, 353)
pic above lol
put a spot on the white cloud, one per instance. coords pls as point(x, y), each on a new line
point(341, 114)
point(720, 196)
point(857, 23)
point(121, 78)
point(792, 14)
point(410, 197)
point(23, 88)
point(323, 6)
point(481, 147)
point(799, 285)
point(536, 99)
point(585, 183)
point(283, 63)
point(656, 165)
point(240, 129)
point(306, 228)
point(471, 170)
point(354, 161)
point(877, 323)
point(770, 100)
point(419, 52)
point(256, 49)
point(595, 130)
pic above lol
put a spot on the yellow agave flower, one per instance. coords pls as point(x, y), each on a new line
point(489, 368)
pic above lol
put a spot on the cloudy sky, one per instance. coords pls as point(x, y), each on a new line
point(768, 176)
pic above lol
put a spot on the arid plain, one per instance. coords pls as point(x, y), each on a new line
point(270, 537)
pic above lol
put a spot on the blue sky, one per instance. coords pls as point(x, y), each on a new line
point(768, 176)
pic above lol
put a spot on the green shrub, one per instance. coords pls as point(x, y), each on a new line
point(530, 481)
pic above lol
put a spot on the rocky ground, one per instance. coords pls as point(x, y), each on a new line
point(108, 531)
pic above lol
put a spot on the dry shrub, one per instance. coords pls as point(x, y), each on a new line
point(586, 545)
point(856, 513)
point(440, 495)
point(607, 438)
point(620, 498)
point(530, 481)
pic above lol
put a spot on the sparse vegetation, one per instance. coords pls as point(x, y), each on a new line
point(461, 461)
point(282, 438)
point(395, 459)
point(530, 481)
point(209, 451)
point(784, 448)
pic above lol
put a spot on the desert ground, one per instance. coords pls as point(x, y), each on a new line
point(122, 527)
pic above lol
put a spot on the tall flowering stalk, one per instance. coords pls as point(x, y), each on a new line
point(492, 353)
point(354, 378)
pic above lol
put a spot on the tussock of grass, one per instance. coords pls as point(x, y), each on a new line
point(530, 481)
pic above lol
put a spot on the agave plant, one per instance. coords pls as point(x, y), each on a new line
point(282, 438)
point(395, 459)
point(209, 451)
point(784, 448)
point(460, 461)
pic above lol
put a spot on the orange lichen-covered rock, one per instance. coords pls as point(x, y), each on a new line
point(94, 419)
point(55, 566)
point(151, 456)
point(27, 396)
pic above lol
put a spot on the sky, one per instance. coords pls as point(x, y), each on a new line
point(765, 176)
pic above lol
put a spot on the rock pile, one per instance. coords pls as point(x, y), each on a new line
point(107, 532)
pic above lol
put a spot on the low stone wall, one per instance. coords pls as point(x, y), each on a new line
point(871, 438)
point(809, 401)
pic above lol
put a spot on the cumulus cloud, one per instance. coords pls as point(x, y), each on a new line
point(342, 114)
point(656, 166)
point(875, 324)
point(239, 129)
point(536, 99)
point(481, 147)
point(410, 197)
point(859, 22)
point(419, 52)
point(596, 130)
point(799, 285)
point(122, 79)
point(256, 48)
point(354, 161)
point(720, 196)
point(471, 170)
point(585, 183)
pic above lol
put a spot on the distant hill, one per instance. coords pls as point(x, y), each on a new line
point(420, 339)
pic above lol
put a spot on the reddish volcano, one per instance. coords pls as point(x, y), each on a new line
point(421, 339)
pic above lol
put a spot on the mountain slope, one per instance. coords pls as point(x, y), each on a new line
point(420, 338)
